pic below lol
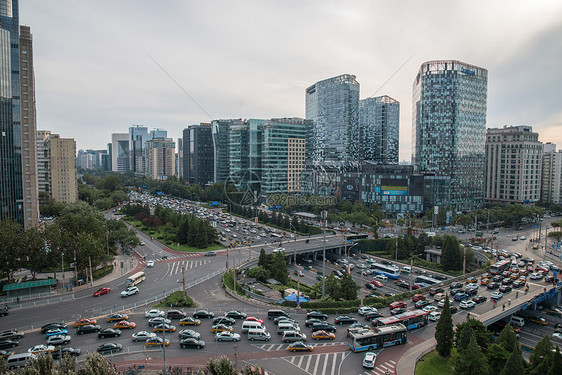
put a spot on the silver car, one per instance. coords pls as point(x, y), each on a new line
point(58, 340)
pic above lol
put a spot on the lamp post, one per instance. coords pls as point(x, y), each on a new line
point(324, 216)
point(62, 264)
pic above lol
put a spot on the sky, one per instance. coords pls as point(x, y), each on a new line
point(102, 66)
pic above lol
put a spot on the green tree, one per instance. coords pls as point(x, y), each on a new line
point(96, 365)
point(118, 197)
point(507, 338)
point(515, 363)
point(279, 270)
point(259, 273)
point(479, 331)
point(497, 357)
point(540, 361)
point(10, 250)
point(556, 362)
point(348, 288)
point(444, 330)
point(265, 259)
point(463, 335)
point(220, 366)
point(331, 287)
point(451, 256)
point(471, 360)
point(33, 248)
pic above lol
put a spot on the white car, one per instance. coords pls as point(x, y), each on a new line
point(129, 291)
point(154, 313)
point(143, 336)
point(523, 238)
point(496, 295)
point(150, 263)
point(369, 360)
point(536, 276)
point(366, 309)
point(429, 308)
point(434, 316)
point(466, 304)
point(58, 340)
point(41, 349)
point(556, 336)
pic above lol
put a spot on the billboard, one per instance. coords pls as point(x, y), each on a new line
point(390, 186)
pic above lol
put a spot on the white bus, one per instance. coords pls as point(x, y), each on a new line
point(136, 279)
point(378, 338)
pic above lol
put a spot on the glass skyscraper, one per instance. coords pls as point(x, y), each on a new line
point(448, 131)
point(333, 107)
point(198, 155)
point(379, 121)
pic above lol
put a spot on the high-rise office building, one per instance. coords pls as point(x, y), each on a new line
point(449, 128)
point(198, 155)
point(179, 159)
point(379, 121)
point(333, 107)
point(551, 185)
point(513, 165)
point(138, 135)
point(160, 158)
point(221, 133)
point(92, 159)
point(120, 152)
point(28, 129)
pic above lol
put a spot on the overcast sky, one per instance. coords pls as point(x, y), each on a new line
point(95, 72)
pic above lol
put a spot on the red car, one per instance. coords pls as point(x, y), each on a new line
point(397, 304)
point(254, 319)
point(377, 283)
point(101, 291)
point(418, 297)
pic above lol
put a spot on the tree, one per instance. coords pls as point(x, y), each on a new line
point(540, 361)
point(471, 360)
point(444, 330)
point(96, 365)
point(10, 250)
point(451, 256)
point(331, 286)
point(556, 362)
point(348, 288)
point(279, 270)
point(463, 335)
point(497, 357)
point(33, 248)
point(259, 273)
point(220, 366)
point(479, 331)
point(514, 364)
point(507, 338)
point(265, 259)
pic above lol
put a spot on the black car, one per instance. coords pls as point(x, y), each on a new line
point(373, 315)
point(192, 343)
point(5, 344)
point(109, 332)
point(60, 352)
point(175, 314)
point(50, 326)
point(109, 347)
point(454, 309)
point(493, 285)
point(189, 334)
point(344, 319)
point(324, 327)
point(440, 277)
point(402, 284)
point(505, 289)
point(507, 281)
point(480, 299)
point(310, 322)
point(398, 310)
point(456, 290)
point(236, 314)
point(224, 320)
point(472, 292)
point(153, 322)
point(456, 285)
point(497, 278)
point(88, 328)
point(316, 315)
point(204, 314)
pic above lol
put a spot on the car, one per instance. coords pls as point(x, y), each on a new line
point(221, 328)
point(141, 243)
point(434, 316)
point(102, 291)
point(470, 280)
point(124, 324)
point(224, 320)
point(556, 336)
point(254, 319)
point(467, 304)
point(454, 309)
point(316, 315)
point(344, 319)
point(299, 273)
point(236, 314)
point(456, 291)
point(418, 297)
point(421, 304)
point(41, 348)
point(150, 264)
point(323, 335)
point(142, 336)
point(377, 283)
point(441, 303)
point(397, 304)
point(6, 353)
point(398, 310)
point(116, 317)
point(365, 309)
point(156, 341)
point(210, 254)
point(505, 289)
point(369, 360)
point(479, 299)
point(507, 281)
point(192, 343)
point(130, 291)
point(189, 321)
point(456, 285)
point(203, 314)
point(485, 281)
point(493, 285)
point(401, 284)
point(61, 351)
point(109, 347)
point(49, 326)
point(165, 256)
point(538, 320)
point(310, 322)
point(536, 276)
point(523, 237)
point(227, 336)
point(175, 314)
point(496, 295)
point(373, 315)
point(439, 296)
point(58, 340)
point(109, 332)
point(324, 326)
point(12, 334)
point(85, 321)
point(56, 331)
point(461, 296)
point(436, 290)
point(5, 344)
point(429, 308)
point(164, 327)
point(300, 346)
point(158, 320)
point(189, 333)
point(154, 313)
point(88, 328)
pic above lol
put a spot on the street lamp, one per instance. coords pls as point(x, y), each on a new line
point(62, 264)
point(324, 216)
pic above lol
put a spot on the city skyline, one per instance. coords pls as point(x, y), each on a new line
point(256, 60)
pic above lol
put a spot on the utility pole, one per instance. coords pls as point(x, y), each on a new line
point(249, 251)
point(91, 276)
point(164, 350)
point(299, 291)
point(75, 267)
point(227, 252)
point(62, 263)
point(464, 261)
point(411, 272)
point(362, 287)
point(183, 281)
point(324, 216)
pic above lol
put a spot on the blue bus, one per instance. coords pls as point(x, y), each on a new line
point(426, 280)
point(391, 271)
point(410, 319)
point(378, 338)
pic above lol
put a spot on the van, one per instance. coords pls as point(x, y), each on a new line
point(248, 325)
point(292, 336)
point(19, 360)
point(272, 314)
point(517, 320)
point(284, 327)
point(258, 335)
point(381, 277)
point(434, 316)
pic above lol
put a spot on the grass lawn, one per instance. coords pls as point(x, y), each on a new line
point(195, 249)
point(434, 364)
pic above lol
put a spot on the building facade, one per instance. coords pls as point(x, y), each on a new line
point(160, 157)
point(296, 154)
point(198, 155)
point(551, 185)
point(120, 152)
point(379, 122)
point(448, 131)
point(179, 159)
point(513, 165)
point(138, 135)
point(92, 159)
point(333, 107)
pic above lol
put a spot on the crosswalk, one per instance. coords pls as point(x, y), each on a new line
point(387, 367)
point(158, 257)
point(272, 347)
point(175, 268)
point(316, 364)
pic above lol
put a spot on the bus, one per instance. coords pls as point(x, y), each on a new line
point(410, 319)
point(354, 237)
point(498, 267)
point(136, 279)
point(379, 337)
point(276, 235)
point(391, 271)
point(426, 280)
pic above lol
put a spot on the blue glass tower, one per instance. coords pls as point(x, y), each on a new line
point(448, 131)
point(379, 120)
